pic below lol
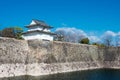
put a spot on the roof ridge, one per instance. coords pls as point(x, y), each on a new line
point(38, 20)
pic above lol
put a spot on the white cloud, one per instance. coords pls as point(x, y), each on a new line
point(118, 33)
point(118, 37)
point(72, 34)
point(109, 34)
point(72, 31)
point(77, 34)
point(94, 39)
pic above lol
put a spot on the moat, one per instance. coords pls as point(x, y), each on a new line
point(97, 74)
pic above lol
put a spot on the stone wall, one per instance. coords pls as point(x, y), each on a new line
point(54, 52)
point(35, 57)
point(13, 51)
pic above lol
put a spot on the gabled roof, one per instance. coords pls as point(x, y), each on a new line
point(38, 23)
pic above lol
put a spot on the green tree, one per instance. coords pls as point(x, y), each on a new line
point(95, 44)
point(18, 32)
point(8, 32)
point(12, 32)
point(84, 41)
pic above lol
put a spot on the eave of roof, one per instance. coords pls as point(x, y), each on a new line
point(33, 25)
point(39, 32)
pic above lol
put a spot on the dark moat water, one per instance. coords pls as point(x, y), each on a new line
point(98, 74)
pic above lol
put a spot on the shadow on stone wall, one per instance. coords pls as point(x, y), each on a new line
point(111, 53)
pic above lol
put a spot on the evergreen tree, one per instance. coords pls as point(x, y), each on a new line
point(84, 41)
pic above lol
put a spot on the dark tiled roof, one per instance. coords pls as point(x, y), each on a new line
point(39, 23)
point(39, 32)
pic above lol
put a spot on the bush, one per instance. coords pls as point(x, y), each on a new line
point(84, 41)
point(99, 45)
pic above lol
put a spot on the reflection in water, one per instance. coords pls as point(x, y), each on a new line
point(98, 74)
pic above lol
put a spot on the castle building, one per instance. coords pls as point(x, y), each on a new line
point(38, 30)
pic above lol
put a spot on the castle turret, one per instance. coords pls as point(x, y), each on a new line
point(38, 30)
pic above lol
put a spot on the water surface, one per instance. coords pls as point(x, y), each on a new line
point(97, 74)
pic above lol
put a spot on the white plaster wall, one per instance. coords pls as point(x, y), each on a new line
point(33, 22)
point(46, 30)
point(36, 35)
point(46, 36)
point(35, 28)
point(38, 28)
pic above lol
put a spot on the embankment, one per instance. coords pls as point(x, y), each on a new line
point(35, 57)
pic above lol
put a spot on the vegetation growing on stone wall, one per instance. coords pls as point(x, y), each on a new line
point(99, 45)
point(84, 41)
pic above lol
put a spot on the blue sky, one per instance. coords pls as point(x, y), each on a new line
point(94, 17)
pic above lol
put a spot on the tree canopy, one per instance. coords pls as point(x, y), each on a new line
point(12, 32)
point(84, 41)
point(8, 32)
